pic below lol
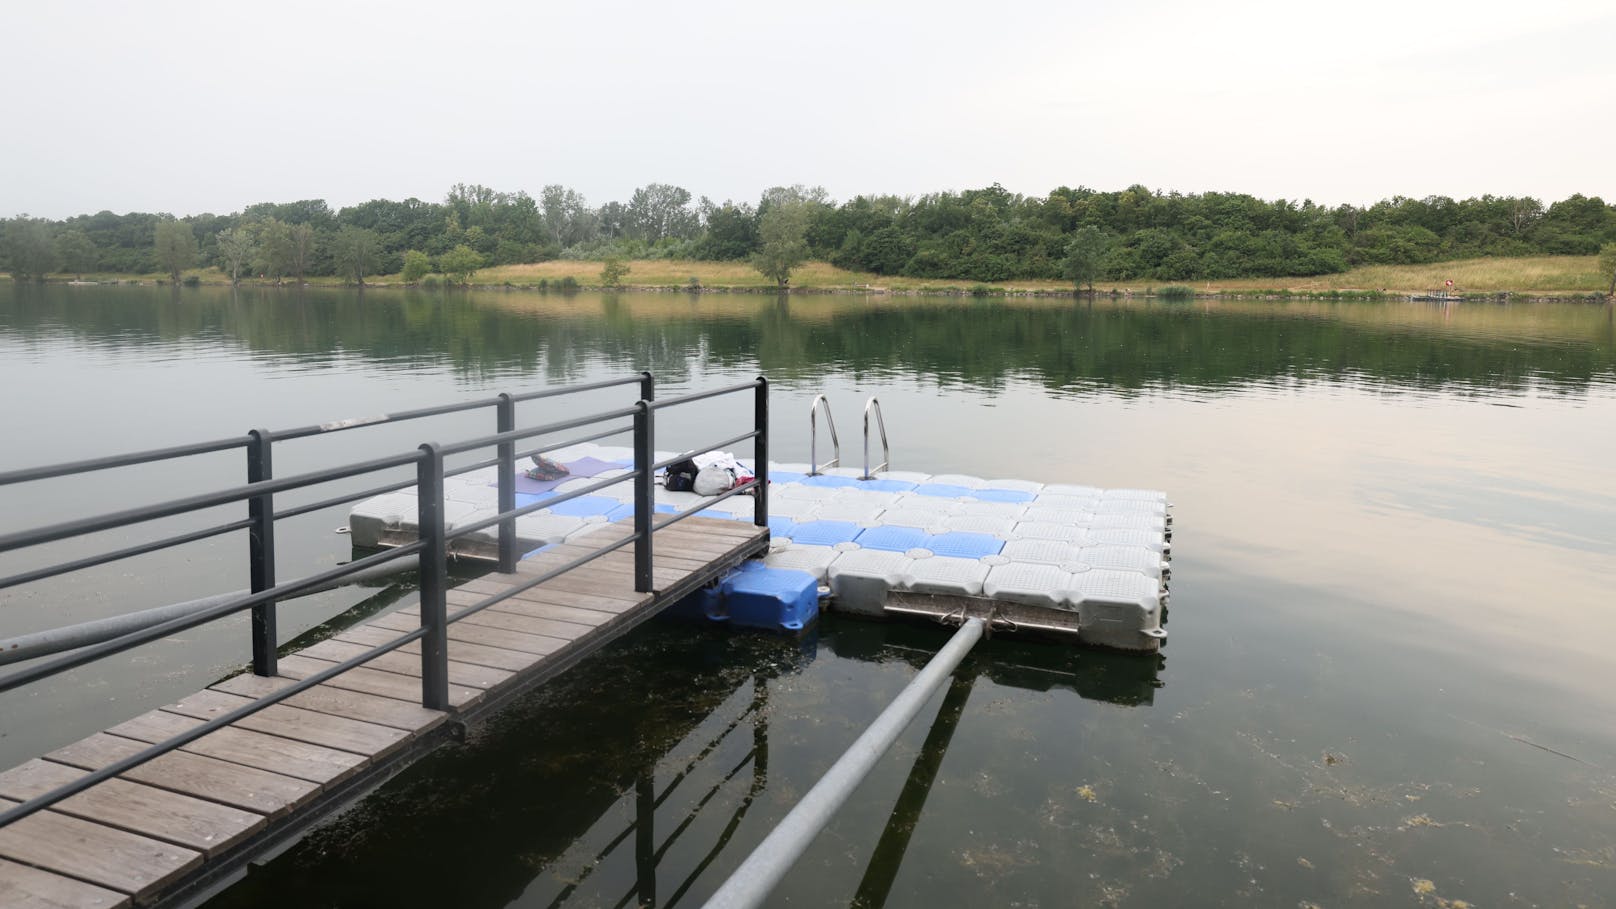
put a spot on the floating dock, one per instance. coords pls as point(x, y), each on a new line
point(170, 805)
point(1053, 559)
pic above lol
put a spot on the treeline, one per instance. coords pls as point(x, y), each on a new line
point(977, 235)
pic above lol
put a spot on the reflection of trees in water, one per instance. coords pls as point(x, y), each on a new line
point(1068, 346)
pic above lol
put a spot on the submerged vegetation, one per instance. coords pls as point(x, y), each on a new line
point(983, 236)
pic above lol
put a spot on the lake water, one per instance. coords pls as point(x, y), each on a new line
point(1389, 679)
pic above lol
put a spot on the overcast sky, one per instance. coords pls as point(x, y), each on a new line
point(188, 107)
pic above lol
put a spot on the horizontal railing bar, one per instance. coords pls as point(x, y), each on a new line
point(338, 500)
point(125, 460)
point(696, 451)
point(180, 623)
point(578, 441)
point(517, 435)
point(301, 432)
point(196, 448)
point(485, 523)
point(570, 389)
point(92, 561)
point(696, 509)
point(71, 637)
point(531, 583)
point(701, 395)
point(67, 790)
point(196, 503)
point(403, 484)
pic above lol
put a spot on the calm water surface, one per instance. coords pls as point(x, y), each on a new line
point(1389, 680)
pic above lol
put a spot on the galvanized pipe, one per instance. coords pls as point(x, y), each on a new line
point(752, 882)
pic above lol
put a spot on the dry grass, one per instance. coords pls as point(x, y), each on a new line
point(1526, 274)
point(1532, 274)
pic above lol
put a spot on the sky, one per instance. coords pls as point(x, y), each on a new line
point(190, 107)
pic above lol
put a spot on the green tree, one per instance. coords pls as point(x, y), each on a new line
point(273, 252)
point(76, 252)
point(175, 246)
point(27, 248)
point(236, 248)
point(1084, 255)
point(613, 270)
point(460, 262)
point(783, 244)
point(356, 252)
point(1607, 266)
point(300, 248)
point(417, 265)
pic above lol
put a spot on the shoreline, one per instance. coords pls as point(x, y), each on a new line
point(1494, 280)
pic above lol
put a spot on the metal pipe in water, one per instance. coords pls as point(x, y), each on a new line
point(761, 872)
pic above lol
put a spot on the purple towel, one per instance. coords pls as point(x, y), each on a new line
point(583, 467)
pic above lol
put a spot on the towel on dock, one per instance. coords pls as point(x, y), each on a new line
point(583, 467)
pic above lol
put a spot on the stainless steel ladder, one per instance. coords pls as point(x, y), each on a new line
point(821, 403)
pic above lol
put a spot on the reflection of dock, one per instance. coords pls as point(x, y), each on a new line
point(1125, 679)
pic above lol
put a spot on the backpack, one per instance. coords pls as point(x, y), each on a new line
point(681, 476)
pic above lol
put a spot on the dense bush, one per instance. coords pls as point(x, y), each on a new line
point(978, 235)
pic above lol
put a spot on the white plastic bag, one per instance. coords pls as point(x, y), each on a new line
point(713, 480)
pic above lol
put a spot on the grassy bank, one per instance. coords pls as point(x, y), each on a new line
point(1526, 275)
point(1534, 275)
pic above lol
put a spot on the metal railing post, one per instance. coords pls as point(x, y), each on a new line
point(644, 493)
point(261, 552)
point(434, 575)
point(647, 386)
point(506, 415)
point(760, 452)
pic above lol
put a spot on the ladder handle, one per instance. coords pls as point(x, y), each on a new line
point(814, 467)
point(881, 425)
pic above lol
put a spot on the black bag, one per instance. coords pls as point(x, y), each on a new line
point(681, 476)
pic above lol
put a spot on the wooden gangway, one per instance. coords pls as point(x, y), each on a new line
point(168, 806)
point(184, 819)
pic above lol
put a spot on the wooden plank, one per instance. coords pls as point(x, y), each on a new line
point(606, 584)
point(383, 711)
point(260, 791)
point(179, 819)
point(406, 664)
point(314, 763)
point(22, 887)
point(678, 559)
point(473, 592)
point(712, 528)
point(589, 618)
point(536, 644)
point(339, 732)
point(114, 859)
point(462, 651)
point(612, 585)
point(374, 681)
point(532, 611)
point(493, 618)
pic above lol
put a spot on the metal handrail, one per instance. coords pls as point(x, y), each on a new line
point(881, 424)
point(814, 467)
point(431, 546)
